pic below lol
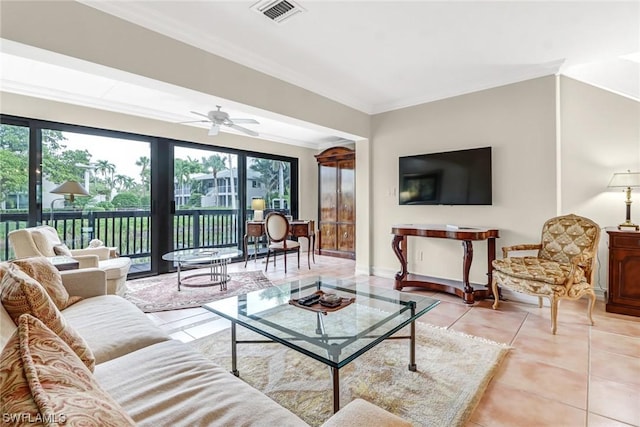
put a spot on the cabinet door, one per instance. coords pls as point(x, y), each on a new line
point(328, 192)
point(328, 236)
point(346, 237)
point(625, 277)
point(346, 191)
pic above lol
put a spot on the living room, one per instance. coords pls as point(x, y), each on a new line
point(556, 141)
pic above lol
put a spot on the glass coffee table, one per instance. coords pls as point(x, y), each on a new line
point(334, 338)
point(216, 259)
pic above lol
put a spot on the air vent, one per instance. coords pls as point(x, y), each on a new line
point(278, 10)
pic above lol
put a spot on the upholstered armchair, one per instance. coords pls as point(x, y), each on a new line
point(44, 241)
point(562, 269)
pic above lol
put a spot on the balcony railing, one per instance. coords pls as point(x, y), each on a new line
point(130, 230)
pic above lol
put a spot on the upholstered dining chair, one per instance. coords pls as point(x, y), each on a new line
point(562, 269)
point(276, 226)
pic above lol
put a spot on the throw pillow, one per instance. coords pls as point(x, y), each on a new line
point(45, 273)
point(43, 381)
point(62, 250)
point(20, 294)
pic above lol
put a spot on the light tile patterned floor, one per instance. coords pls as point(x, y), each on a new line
point(583, 376)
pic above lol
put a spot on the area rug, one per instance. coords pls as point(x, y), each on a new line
point(453, 372)
point(160, 293)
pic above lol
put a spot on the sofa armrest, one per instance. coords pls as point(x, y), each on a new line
point(102, 252)
point(87, 282)
point(359, 412)
point(87, 261)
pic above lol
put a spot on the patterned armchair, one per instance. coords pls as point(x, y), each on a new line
point(562, 269)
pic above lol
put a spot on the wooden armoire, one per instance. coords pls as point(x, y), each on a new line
point(337, 202)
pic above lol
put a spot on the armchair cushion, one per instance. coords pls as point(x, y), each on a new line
point(40, 269)
point(45, 238)
point(41, 377)
point(541, 270)
point(20, 294)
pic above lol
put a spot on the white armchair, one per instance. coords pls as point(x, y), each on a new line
point(44, 241)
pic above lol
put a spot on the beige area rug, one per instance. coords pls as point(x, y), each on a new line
point(453, 372)
point(160, 293)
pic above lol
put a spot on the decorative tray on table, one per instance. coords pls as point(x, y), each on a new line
point(322, 302)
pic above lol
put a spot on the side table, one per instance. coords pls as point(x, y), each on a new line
point(624, 272)
point(63, 262)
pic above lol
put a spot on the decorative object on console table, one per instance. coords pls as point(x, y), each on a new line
point(626, 180)
point(336, 202)
point(467, 235)
point(624, 272)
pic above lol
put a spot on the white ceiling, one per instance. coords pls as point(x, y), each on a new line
point(374, 56)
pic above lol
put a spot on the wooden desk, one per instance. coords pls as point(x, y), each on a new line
point(297, 228)
point(464, 289)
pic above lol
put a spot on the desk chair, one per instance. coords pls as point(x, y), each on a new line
point(277, 228)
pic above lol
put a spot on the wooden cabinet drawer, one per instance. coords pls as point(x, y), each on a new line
point(625, 242)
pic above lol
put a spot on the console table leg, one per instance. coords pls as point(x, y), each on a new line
point(467, 259)
point(398, 244)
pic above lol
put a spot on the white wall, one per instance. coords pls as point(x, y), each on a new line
point(600, 136)
point(518, 122)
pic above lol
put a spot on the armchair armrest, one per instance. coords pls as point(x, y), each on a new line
point(523, 247)
point(359, 412)
point(102, 252)
point(88, 282)
point(87, 261)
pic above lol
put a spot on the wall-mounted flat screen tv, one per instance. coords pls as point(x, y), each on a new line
point(460, 177)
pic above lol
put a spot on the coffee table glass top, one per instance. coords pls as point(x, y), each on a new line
point(335, 338)
point(201, 255)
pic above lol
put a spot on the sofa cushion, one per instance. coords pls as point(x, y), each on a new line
point(20, 294)
point(45, 273)
point(112, 326)
point(43, 379)
point(170, 384)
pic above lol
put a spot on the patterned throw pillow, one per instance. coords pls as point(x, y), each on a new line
point(20, 294)
point(45, 273)
point(42, 382)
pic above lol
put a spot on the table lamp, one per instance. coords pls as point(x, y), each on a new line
point(626, 180)
point(68, 188)
point(257, 204)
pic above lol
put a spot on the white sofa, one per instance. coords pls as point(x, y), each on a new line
point(159, 381)
point(43, 241)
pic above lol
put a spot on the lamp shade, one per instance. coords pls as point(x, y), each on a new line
point(257, 204)
point(72, 188)
point(625, 180)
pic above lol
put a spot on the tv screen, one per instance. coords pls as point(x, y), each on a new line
point(460, 177)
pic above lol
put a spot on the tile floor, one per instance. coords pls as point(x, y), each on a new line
point(583, 376)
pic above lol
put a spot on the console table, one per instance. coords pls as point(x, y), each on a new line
point(297, 228)
point(467, 235)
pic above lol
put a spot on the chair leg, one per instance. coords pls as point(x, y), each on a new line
point(554, 314)
point(299, 259)
point(284, 254)
point(592, 303)
point(496, 294)
point(266, 264)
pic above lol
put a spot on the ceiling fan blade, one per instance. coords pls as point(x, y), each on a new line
point(246, 121)
point(195, 121)
point(245, 130)
point(200, 114)
point(214, 130)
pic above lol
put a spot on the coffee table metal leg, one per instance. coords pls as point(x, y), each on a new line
point(179, 283)
point(335, 374)
point(234, 367)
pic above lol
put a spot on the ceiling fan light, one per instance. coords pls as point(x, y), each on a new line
point(213, 131)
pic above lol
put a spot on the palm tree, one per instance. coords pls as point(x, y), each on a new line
point(145, 173)
point(214, 164)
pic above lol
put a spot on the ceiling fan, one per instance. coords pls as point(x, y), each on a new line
point(219, 118)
